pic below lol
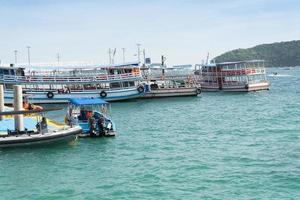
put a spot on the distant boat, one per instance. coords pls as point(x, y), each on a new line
point(169, 82)
point(243, 76)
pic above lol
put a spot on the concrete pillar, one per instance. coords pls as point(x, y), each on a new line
point(1, 101)
point(18, 105)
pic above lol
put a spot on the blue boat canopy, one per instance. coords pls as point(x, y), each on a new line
point(79, 102)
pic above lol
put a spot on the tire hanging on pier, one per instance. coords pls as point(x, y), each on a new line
point(103, 94)
point(141, 89)
point(50, 95)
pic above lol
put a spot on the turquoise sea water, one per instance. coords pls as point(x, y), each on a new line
point(218, 146)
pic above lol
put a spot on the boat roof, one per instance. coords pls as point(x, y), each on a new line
point(239, 62)
point(70, 67)
point(232, 63)
point(79, 102)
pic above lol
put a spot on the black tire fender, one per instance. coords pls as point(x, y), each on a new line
point(103, 94)
point(50, 95)
point(140, 89)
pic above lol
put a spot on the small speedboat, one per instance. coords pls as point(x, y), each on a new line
point(37, 129)
point(92, 115)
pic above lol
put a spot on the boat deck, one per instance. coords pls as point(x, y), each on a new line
point(29, 123)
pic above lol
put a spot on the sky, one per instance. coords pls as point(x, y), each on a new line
point(184, 31)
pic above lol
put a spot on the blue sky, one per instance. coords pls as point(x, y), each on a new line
point(183, 31)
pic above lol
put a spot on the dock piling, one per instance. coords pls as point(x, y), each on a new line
point(18, 106)
point(1, 101)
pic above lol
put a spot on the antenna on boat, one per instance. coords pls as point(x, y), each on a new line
point(144, 56)
point(123, 52)
point(113, 56)
point(207, 58)
point(28, 54)
point(139, 52)
point(109, 54)
point(16, 56)
point(58, 57)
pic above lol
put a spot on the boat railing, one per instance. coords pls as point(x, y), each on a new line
point(235, 72)
point(67, 79)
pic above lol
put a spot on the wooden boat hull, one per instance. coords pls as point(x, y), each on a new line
point(236, 88)
point(39, 139)
point(172, 92)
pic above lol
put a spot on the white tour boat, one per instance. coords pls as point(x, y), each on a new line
point(58, 85)
point(242, 76)
point(162, 81)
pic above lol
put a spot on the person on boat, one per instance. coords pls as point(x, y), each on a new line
point(44, 125)
point(89, 114)
point(29, 106)
point(82, 115)
point(67, 90)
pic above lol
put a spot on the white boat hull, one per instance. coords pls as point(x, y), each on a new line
point(38, 139)
point(41, 97)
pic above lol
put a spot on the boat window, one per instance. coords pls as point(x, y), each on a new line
point(9, 86)
point(131, 83)
point(125, 84)
point(127, 71)
point(5, 72)
point(1, 71)
point(12, 72)
point(115, 85)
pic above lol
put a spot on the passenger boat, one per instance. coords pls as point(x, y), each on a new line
point(58, 85)
point(92, 115)
point(37, 130)
point(169, 82)
point(240, 76)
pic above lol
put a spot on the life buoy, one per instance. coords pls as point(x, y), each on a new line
point(140, 89)
point(198, 91)
point(50, 95)
point(103, 94)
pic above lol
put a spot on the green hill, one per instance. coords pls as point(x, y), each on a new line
point(275, 54)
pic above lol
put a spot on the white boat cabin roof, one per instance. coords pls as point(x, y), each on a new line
point(233, 63)
point(70, 68)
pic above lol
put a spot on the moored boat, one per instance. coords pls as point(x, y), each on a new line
point(37, 130)
point(242, 76)
point(92, 115)
point(20, 127)
point(58, 85)
point(161, 81)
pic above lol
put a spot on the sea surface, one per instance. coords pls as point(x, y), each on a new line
point(217, 146)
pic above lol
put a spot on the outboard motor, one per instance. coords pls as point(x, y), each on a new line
point(101, 129)
point(92, 127)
